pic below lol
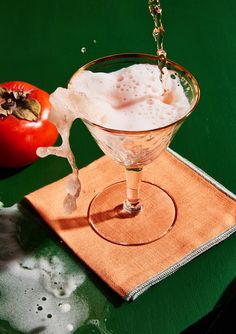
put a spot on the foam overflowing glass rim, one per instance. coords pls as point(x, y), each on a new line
point(154, 58)
point(191, 93)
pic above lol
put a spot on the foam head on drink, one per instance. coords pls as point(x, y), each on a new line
point(133, 98)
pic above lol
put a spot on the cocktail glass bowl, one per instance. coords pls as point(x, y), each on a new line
point(135, 212)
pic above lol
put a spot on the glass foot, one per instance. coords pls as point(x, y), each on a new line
point(113, 223)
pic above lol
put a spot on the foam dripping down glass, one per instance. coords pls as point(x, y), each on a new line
point(136, 212)
point(132, 109)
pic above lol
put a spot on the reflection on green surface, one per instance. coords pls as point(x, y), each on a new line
point(43, 288)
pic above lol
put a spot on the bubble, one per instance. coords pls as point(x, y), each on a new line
point(70, 327)
point(65, 307)
point(120, 78)
point(83, 49)
point(149, 101)
point(94, 322)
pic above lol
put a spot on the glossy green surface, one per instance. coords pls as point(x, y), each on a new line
point(41, 44)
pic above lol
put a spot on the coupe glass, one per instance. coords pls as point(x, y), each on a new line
point(135, 212)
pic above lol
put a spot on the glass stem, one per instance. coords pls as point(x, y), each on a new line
point(133, 203)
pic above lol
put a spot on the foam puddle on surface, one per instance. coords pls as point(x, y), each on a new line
point(36, 293)
point(43, 295)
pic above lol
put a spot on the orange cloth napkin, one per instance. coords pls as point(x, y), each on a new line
point(206, 215)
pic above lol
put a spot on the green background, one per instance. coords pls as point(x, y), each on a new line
point(41, 43)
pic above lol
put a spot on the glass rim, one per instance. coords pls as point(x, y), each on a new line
point(152, 57)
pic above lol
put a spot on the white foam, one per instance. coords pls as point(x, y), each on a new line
point(133, 98)
point(66, 106)
point(70, 327)
point(37, 293)
point(65, 307)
